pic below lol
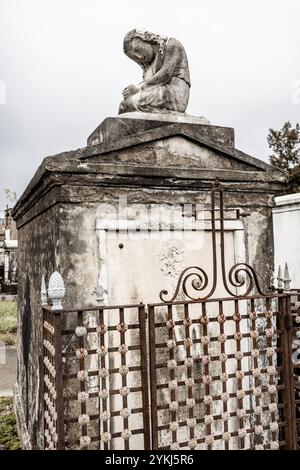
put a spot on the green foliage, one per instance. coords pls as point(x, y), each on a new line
point(8, 432)
point(8, 322)
point(8, 317)
point(10, 195)
point(285, 144)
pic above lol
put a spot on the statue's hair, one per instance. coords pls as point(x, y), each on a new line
point(146, 36)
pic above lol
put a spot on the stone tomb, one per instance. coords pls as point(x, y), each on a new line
point(80, 212)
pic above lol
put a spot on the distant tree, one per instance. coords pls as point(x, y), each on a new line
point(285, 145)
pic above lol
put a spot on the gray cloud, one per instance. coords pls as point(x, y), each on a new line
point(64, 70)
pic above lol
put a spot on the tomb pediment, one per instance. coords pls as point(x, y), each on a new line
point(171, 145)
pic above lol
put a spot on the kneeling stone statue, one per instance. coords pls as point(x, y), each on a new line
point(166, 80)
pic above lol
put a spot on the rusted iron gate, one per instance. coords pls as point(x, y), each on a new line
point(221, 369)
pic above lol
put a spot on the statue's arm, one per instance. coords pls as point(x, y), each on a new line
point(171, 59)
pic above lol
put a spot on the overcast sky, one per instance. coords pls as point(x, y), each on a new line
point(63, 68)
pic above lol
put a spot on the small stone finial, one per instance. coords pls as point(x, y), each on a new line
point(279, 278)
point(56, 290)
point(44, 297)
point(286, 278)
point(99, 291)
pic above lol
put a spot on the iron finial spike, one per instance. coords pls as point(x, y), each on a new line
point(286, 277)
point(279, 278)
point(44, 297)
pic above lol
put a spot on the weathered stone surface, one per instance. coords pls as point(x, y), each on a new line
point(132, 123)
point(158, 163)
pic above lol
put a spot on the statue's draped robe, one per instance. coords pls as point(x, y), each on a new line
point(166, 83)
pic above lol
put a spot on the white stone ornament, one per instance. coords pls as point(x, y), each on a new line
point(269, 332)
point(174, 426)
point(105, 437)
point(225, 396)
point(226, 436)
point(239, 355)
point(105, 415)
point(189, 361)
point(82, 397)
point(123, 370)
point(274, 426)
point(258, 429)
point(103, 372)
point(81, 353)
point(171, 344)
point(209, 440)
point(273, 407)
point(125, 413)
point(206, 359)
point(255, 353)
point(172, 364)
point(82, 375)
point(122, 327)
point(191, 422)
point(256, 372)
point(207, 379)
point(270, 352)
point(102, 351)
point(223, 357)
point(84, 441)
point(173, 384)
point(257, 391)
point(239, 374)
point(241, 413)
point(259, 447)
point(80, 331)
point(126, 434)
point(208, 419)
point(271, 370)
point(190, 382)
point(83, 419)
point(272, 389)
point(188, 342)
point(242, 433)
point(190, 402)
point(174, 446)
point(258, 410)
point(240, 394)
point(225, 416)
point(56, 290)
point(124, 391)
point(101, 329)
point(170, 324)
point(103, 394)
point(224, 377)
point(205, 340)
point(123, 349)
point(173, 406)
point(192, 443)
point(208, 399)
point(221, 338)
point(274, 445)
point(238, 336)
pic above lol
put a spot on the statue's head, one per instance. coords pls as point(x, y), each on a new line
point(141, 46)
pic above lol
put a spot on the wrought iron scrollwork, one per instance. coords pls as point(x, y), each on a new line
point(194, 279)
point(199, 282)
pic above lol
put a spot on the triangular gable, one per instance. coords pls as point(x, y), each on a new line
point(172, 130)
